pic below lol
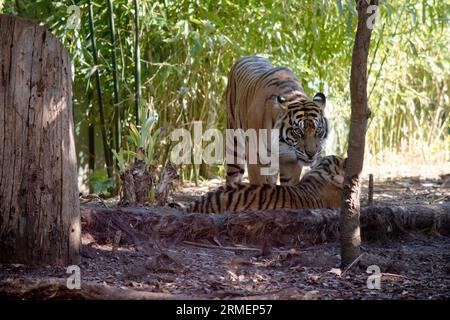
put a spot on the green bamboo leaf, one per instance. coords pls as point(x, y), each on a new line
point(120, 159)
point(146, 130)
point(134, 135)
point(195, 21)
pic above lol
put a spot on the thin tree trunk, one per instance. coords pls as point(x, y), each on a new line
point(350, 236)
point(39, 207)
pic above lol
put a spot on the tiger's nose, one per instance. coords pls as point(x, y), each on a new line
point(310, 154)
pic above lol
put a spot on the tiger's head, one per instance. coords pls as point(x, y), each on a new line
point(303, 128)
point(325, 181)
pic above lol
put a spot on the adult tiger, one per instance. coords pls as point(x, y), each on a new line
point(321, 187)
point(261, 96)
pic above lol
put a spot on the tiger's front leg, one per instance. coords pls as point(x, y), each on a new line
point(290, 173)
point(255, 176)
point(235, 172)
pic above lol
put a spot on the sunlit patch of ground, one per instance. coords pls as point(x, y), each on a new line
point(411, 168)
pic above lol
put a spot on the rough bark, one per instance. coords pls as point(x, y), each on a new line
point(39, 207)
point(169, 174)
point(137, 184)
point(278, 227)
point(349, 222)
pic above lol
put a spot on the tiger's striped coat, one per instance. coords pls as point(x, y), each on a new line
point(321, 187)
point(261, 96)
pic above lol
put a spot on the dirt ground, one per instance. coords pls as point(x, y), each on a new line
point(416, 266)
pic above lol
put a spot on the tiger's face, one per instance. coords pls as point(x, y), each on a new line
point(303, 132)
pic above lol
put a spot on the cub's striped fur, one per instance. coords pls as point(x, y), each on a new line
point(261, 96)
point(321, 187)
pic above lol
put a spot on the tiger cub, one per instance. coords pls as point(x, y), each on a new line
point(261, 96)
point(321, 187)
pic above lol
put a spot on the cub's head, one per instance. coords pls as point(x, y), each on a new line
point(303, 129)
point(328, 169)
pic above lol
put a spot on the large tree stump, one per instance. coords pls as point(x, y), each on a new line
point(39, 207)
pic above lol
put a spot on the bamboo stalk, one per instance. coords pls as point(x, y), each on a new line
point(106, 149)
point(91, 137)
point(385, 56)
point(192, 166)
point(137, 64)
point(91, 133)
point(117, 120)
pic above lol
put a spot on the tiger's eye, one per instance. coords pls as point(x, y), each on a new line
point(320, 132)
point(298, 132)
point(281, 99)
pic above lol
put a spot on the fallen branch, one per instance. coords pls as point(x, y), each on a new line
point(285, 294)
point(281, 226)
point(54, 288)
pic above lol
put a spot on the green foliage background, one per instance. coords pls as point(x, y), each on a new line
point(188, 47)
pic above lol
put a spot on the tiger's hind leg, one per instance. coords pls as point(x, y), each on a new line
point(290, 173)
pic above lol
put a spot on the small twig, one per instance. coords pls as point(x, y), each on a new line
point(351, 264)
point(204, 245)
point(370, 199)
point(394, 275)
point(210, 246)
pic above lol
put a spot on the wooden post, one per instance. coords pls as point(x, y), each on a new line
point(370, 192)
point(39, 207)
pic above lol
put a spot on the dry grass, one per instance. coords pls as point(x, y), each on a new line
point(407, 164)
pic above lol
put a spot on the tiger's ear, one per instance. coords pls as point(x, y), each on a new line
point(281, 102)
point(320, 99)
